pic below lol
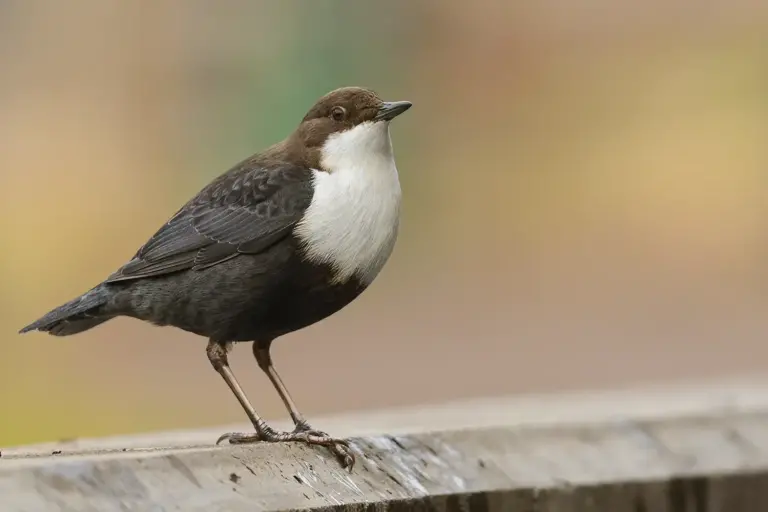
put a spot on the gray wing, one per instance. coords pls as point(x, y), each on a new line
point(242, 212)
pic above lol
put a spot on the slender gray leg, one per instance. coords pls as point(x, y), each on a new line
point(264, 360)
point(217, 354)
point(339, 447)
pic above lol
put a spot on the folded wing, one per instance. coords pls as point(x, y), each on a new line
point(244, 211)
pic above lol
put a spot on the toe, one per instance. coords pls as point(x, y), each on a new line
point(339, 447)
point(224, 437)
point(317, 437)
point(238, 438)
point(345, 456)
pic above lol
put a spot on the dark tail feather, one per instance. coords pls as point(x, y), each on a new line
point(75, 316)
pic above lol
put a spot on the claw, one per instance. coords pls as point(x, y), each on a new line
point(339, 447)
point(345, 456)
point(238, 438)
point(316, 437)
point(305, 434)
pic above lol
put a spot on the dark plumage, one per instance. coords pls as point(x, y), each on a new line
point(230, 265)
point(251, 210)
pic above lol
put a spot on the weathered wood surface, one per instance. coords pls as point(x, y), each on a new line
point(694, 449)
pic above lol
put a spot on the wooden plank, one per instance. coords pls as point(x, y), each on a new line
point(683, 449)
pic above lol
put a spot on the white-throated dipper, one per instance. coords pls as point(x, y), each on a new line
point(282, 240)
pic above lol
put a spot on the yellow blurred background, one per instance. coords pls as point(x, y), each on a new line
point(585, 196)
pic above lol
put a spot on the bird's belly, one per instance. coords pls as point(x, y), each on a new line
point(248, 298)
point(303, 301)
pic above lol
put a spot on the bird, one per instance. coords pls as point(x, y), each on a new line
point(280, 241)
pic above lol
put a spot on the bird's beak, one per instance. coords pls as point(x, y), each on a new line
point(391, 109)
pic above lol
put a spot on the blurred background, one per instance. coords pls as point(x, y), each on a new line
point(585, 196)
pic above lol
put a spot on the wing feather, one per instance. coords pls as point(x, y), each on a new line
point(225, 220)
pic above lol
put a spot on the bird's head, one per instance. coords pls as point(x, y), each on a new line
point(347, 123)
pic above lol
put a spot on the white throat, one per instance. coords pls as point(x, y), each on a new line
point(353, 218)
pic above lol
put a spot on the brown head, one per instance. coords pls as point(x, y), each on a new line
point(340, 111)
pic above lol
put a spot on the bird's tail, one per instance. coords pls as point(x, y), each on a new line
point(78, 315)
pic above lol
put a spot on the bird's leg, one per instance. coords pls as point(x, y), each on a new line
point(217, 355)
point(303, 430)
point(264, 360)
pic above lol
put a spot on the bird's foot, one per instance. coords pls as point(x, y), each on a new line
point(303, 433)
point(339, 447)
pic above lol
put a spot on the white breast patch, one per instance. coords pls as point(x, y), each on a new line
point(353, 218)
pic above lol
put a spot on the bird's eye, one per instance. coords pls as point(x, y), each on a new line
point(338, 113)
